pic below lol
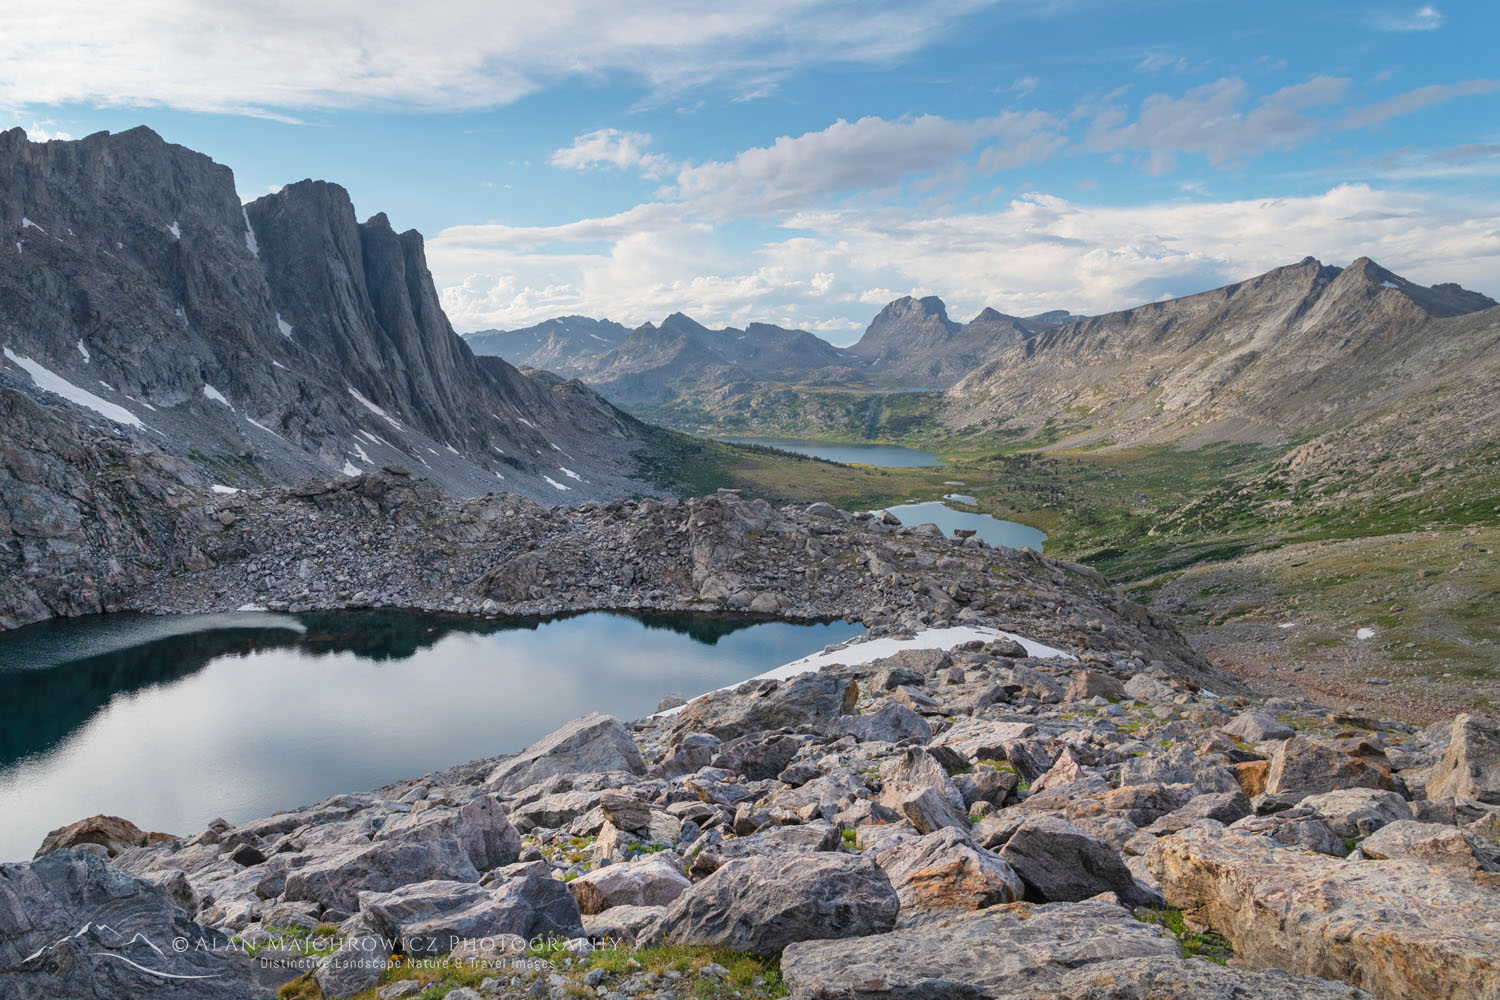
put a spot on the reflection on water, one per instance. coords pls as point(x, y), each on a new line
point(173, 721)
point(888, 455)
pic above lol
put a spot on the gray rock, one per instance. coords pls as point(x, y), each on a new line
point(1256, 726)
point(1089, 949)
point(1302, 766)
point(593, 743)
point(1449, 846)
point(758, 756)
point(796, 704)
point(73, 927)
point(336, 879)
point(431, 918)
point(623, 926)
point(1060, 862)
point(354, 967)
point(1358, 812)
point(945, 870)
point(1471, 767)
point(890, 723)
point(654, 880)
point(480, 826)
point(764, 904)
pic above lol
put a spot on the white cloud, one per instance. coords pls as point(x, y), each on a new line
point(1424, 18)
point(1209, 120)
point(289, 56)
point(1036, 252)
point(612, 147)
point(1415, 100)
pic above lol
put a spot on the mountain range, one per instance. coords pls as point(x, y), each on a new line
point(273, 340)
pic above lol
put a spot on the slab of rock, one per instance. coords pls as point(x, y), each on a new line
point(654, 880)
point(335, 880)
point(758, 756)
point(431, 918)
point(945, 870)
point(480, 826)
point(622, 926)
point(354, 967)
point(1086, 684)
point(1060, 862)
point(796, 704)
point(1303, 766)
point(891, 723)
point(1088, 949)
point(983, 739)
point(764, 904)
point(1471, 767)
point(1254, 725)
point(917, 787)
point(593, 743)
point(1395, 928)
point(109, 834)
point(1357, 812)
point(626, 811)
point(1432, 842)
point(74, 927)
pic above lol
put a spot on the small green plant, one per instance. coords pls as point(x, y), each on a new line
point(1214, 947)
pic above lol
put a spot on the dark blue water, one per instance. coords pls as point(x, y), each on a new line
point(889, 455)
point(171, 722)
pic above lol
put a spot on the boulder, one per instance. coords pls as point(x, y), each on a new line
point(625, 811)
point(1224, 807)
point(983, 739)
point(1179, 765)
point(797, 703)
point(1091, 949)
point(1296, 827)
point(1471, 767)
point(758, 756)
point(479, 825)
point(1357, 812)
point(1060, 862)
point(74, 927)
point(1086, 684)
point(891, 723)
point(1395, 928)
point(764, 904)
point(1302, 766)
point(355, 966)
point(945, 870)
point(335, 879)
point(1256, 726)
point(111, 833)
point(622, 926)
point(431, 918)
point(1432, 842)
point(593, 743)
point(654, 880)
point(916, 786)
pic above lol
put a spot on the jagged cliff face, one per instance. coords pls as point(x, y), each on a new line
point(1298, 350)
point(272, 341)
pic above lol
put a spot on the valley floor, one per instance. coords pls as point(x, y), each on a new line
point(1233, 549)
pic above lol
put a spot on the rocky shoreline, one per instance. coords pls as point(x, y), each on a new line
point(937, 810)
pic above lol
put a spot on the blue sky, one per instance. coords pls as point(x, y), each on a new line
point(804, 162)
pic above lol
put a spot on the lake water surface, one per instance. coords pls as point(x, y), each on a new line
point(889, 455)
point(171, 722)
point(991, 529)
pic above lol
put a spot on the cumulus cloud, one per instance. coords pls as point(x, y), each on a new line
point(282, 57)
point(614, 148)
point(836, 266)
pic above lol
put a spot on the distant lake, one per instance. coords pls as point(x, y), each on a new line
point(889, 455)
point(991, 529)
point(170, 722)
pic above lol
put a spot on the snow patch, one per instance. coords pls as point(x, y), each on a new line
point(261, 426)
point(528, 423)
point(570, 473)
point(498, 476)
point(216, 395)
point(555, 484)
point(1390, 284)
point(220, 488)
point(28, 224)
point(362, 456)
point(856, 654)
point(452, 449)
point(278, 364)
point(553, 446)
point(284, 327)
point(84, 351)
point(1365, 633)
point(375, 409)
point(52, 382)
point(250, 243)
point(1287, 625)
point(175, 230)
point(350, 469)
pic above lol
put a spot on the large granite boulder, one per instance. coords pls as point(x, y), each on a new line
point(1395, 928)
point(1060, 862)
point(1303, 766)
point(945, 870)
point(479, 825)
point(1471, 767)
point(593, 743)
point(763, 904)
point(796, 704)
point(655, 880)
point(1090, 949)
point(73, 927)
point(1435, 843)
point(334, 880)
point(107, 836)
point(431, 918)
